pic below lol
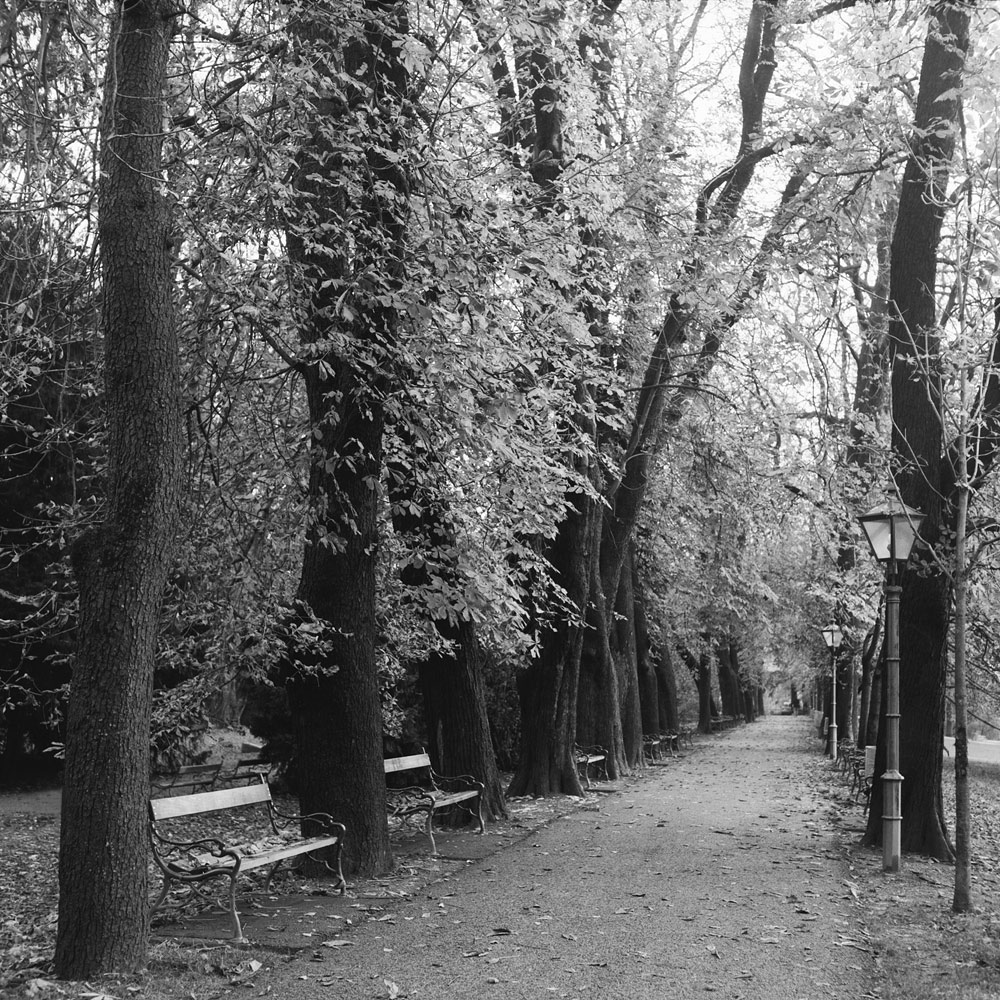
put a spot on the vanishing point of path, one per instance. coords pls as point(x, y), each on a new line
point(718, 874)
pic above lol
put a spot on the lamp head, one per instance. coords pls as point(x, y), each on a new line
point(832, 636)
point(891, 529)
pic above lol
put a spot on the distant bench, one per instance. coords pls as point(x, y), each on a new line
point(189, 777)
point(193, 862)
point(863, 771)
point(585, 757)
point(434, 793)
point(724, 721)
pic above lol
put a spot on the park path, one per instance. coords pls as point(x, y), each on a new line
point(718, 874)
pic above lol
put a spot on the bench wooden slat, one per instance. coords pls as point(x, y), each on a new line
point(450, 798)
point(393, 764)
point(248, 862)
point(202, 802)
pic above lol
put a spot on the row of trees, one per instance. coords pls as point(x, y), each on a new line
point(460, 347)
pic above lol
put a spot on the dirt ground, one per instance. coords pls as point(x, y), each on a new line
point(732, 871)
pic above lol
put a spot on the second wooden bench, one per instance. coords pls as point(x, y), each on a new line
point(433, 793)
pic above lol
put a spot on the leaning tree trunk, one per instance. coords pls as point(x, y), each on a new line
point(869, 659)
point(626, 665)
point(917, 432)
point(121, 567)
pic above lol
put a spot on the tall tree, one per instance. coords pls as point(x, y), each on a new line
point(917, 432)
point(346, 239)
point(121, 566)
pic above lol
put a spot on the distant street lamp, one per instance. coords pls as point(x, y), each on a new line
point(833, 637)
point(891, 530)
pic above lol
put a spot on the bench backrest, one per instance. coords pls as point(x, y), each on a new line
point(393, 764)
point(204, 802)
point(869, 762)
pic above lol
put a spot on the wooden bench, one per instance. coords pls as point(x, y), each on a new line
point(190, 778)
point(651, 746)
point(251, 768)
point(434, 793)
point(863, 766)
point(724, 722)
point(686, 734)
point(587, 756)
point(194, 862)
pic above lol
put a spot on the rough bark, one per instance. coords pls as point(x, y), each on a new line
point(454, 696)
point(121, 567)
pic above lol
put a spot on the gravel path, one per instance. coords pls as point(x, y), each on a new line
point(719, 873)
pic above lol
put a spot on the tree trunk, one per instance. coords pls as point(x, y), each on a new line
point(547, 687)
point(917, 433)
point(701, 672)
point(649, 700)
point(458, 727)
point(451, 682)
point(961, 901)
point(336, 709)
point(666, 688)
point(875, 701)
point(121, 567)
point(624, 652)
point(598, 711)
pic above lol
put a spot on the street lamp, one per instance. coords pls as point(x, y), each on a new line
point(891, 530)
point(833, 637)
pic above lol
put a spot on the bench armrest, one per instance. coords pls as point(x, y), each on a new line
point(457, 782)
point(324, 821)
point(212, 843)
point(410, 791)
point(181, 860)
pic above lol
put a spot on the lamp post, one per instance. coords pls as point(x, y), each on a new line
point(833, 637)
point(891, 530)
